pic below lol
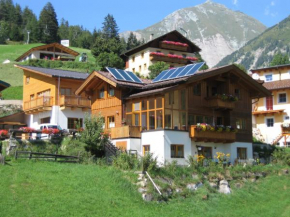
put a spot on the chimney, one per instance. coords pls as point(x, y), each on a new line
point(151, 36)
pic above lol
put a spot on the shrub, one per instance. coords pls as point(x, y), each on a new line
point(149, 163)
point(126, 161)
point(281, 156)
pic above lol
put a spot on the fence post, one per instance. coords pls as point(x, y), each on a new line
point(30, 155)
point(15, 155)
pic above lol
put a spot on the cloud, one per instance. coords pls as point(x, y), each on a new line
point(235, 2)
point(273, 3)
point(268, 11)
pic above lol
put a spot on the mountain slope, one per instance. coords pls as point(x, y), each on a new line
point(217, 30)
point(259, 51)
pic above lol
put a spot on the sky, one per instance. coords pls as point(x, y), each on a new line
point(132, 15)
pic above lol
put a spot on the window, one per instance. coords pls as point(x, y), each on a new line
point(242, 153)
point(111, 121)
point(241, 124)
point(270, 122)
point(144, 120)
point(137, 106)
point(152, 120)
point(140, 68)
point(208, 119)
point(32, 97)
point(191, 120)
point(199, 119)
point(103, 121)
point(144, 105)
point(74, 123)
point(159, 102)
point(197, 89)
point(184, 55)
point(45, 120)
point(65, 91)
point(219, 120)
point(269, 102)
point(145, 66)
point(205, 151)
point(133, 59)
point(146, 149)
point(128, 107)
point(167, 121)
point(111, 91)
point(151, 103)
point(133, 69)
point(171, 98)
point(286, 118)
point(282, 98)
point(269, 77)
point(27, 79)
point(177, 151)
point(142, 55)
point(136, 119)
point(238, 93)
point(159, 119)
point(102, 93)
point(43, 93)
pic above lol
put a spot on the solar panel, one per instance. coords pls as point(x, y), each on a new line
point(123, 75)
point(179, 72)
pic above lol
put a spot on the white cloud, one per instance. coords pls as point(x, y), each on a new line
point(273, 3)
point(235, 2)
point(268, 11)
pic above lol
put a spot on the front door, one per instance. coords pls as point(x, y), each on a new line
point(206, 152)
point(269, 102)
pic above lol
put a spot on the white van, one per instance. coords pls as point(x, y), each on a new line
point(46, 126)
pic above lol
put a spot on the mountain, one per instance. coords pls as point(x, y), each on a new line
point(259, 51)
point(217, 30)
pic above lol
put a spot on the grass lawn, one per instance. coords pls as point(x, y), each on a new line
point(13, 76)
point(29, 188)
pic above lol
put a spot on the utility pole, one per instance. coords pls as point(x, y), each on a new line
point(28, 32)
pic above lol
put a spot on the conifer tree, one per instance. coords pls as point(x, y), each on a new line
point(132, 41)
point(280, 59)
point(48, 24)
point(110, 28)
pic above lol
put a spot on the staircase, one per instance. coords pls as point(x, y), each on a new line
point(111, 150)
point(277, 139)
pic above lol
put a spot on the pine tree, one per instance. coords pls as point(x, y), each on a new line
point(110, 28)
point(63, 30)
point(30, 24)
point(132, 41)
point(280, 59)
point(48, 24)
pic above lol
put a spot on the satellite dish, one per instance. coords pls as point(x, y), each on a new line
point(255, 76)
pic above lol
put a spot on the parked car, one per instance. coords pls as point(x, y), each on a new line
point(47, 126)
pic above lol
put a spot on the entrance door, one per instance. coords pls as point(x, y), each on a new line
point(206, 152)
point(269, 102)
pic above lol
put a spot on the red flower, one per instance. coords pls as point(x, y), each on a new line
point(27, 129)
point(175, 43)
point(3, 133)
point(192, 58)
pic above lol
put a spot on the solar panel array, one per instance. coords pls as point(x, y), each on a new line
point(123, 75)
point(178, 72)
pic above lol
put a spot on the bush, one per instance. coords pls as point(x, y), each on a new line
point(149, 163)
point(282, 156)
point(126, 161)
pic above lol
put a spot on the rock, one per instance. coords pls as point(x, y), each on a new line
point(224, 187)
point(142, 190)
point(194, 176)
point(205, 197)
point(178, 190)
point(253, 179)
point(238, 185)
point(147, 197)
point(167, 193)
point(285, 171)
point(199, 185)
point(191, 187)
point(213, 185)
point(140, 177)
point(142, 184)
point(6, 61)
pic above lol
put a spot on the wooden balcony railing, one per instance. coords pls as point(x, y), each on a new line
point(172, 46)
point(38, 103)
point(211, 136)
point(126, 132)
point(168, 59)
point(75, 101)
point(218, 103)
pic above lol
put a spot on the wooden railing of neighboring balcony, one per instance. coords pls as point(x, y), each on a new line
point(75, 101)
point(211, 136)
point(126, 132)
point(216, 102)
point(39, 102)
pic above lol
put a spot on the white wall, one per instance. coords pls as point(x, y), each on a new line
point(132, 144)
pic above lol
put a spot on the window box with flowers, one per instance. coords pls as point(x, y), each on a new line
point(173, 45)
point(205, 132)
point(222, 101)
point(3, 134)
point(156, 56)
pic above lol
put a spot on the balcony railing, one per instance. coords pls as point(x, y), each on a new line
point(173, 46)
point(166, 58)
point(75, 101)
point(38, 103)
point(211, 136)
point(126, 132)
point(218, 103)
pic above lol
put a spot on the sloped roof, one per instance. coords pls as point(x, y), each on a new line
point(3, 85)
point(55, 72)
point(269, 68)
point(155, 42)
point(276, 85)
point(57, 45)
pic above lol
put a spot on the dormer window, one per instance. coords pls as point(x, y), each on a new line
point(111, 91)
point(102, 93)
point(269, 77)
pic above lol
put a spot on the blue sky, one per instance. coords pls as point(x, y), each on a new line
point(138, 14)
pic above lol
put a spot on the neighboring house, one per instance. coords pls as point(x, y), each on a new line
point(271, 112)
point(160, 116)
point(49, 51)
point(14, 121)
point(172, 48)
point(3, 86)
point(49, 97)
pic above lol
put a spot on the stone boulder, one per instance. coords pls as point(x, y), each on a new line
point(147, 197)
point(224, 187)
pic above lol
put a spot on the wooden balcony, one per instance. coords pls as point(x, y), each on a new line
point(38, 104)
point(168, 59)
point(218, 103)
point(75, 101)
point(211, 136)
point(126, 132)
point(172, 46)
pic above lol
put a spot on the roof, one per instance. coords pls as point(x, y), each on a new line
point(150, 92)
point(55, 72)
point(152, 88)
point(3, 85)
point(276, 85)
point(271, 67)
point(57, 45)
point(155, 43)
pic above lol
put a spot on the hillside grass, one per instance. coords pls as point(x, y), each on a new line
point(13, 75)
point(30, 188)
